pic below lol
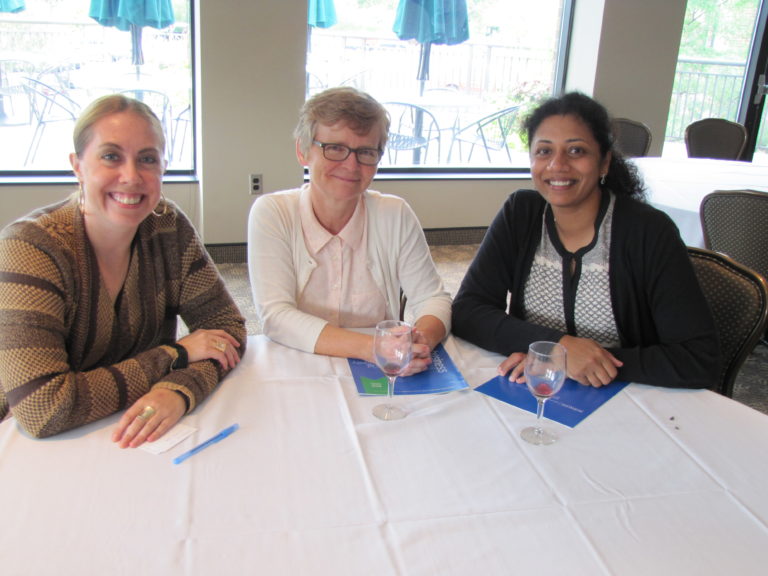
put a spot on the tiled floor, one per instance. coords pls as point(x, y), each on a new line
point(452, 260)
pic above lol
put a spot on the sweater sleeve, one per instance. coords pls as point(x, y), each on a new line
point(274, 277)
point(667, 332)
point(417, 274)
point(204, 303)
point(495, 279)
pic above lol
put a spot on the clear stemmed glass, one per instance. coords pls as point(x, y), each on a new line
point(392, 351)
point(544, 375)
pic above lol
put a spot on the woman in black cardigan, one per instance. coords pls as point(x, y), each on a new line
point(584, 261)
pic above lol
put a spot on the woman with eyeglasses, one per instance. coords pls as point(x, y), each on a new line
point(91, 288)
point(333, 256)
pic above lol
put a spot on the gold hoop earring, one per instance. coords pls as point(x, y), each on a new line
point(164, 202)
point(81, 199)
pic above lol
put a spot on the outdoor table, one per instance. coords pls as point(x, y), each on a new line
point(656, 481)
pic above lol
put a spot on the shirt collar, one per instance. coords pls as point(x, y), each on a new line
point(316, 237)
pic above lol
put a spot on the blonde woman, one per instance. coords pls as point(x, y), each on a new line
point(91, 288)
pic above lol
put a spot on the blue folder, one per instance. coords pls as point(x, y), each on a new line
point(441, 376)
point(570, 406)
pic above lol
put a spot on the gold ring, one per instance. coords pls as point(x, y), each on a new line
point(147, 413)
point(220, 345)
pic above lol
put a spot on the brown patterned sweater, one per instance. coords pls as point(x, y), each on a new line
point(68, 355)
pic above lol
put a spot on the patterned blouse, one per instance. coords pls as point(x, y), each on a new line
point(570, 292)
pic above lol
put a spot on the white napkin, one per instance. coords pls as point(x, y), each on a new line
point(169, 439)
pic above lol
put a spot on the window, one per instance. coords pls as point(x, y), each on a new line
point(454, 107)
point(711, 66)
point(55, 59)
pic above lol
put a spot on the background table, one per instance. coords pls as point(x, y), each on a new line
point(677, 186)
point(656, 482)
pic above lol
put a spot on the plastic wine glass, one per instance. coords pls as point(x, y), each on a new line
point(392, 351)
point(544, 374)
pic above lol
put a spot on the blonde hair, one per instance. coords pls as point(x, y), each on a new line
point(106, 106)
point(358, 110)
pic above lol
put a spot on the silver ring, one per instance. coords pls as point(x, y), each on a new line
point(147, 413)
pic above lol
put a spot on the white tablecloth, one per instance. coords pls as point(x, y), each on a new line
point(677, 186)
point(655, 482)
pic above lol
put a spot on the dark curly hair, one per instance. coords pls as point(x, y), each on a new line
point(622, 177)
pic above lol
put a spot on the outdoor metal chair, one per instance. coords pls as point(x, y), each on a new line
point(633, 138)
point(180, 124)
point(161, 106)
point(48, 105)
point(14, 98)
point(491, 132)
point(738, 299)
point(715, 138)
point(733, 223)
point(412, 128)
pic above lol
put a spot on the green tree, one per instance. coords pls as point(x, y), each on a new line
point(719, 29)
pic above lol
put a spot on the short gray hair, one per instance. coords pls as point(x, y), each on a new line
point(359, 111)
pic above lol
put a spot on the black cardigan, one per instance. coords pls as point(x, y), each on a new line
point(667, 334)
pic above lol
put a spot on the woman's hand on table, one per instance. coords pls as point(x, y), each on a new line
point(428, 332)
point(149, 418)
point(514, 365)
point(421, 355)
point(589, 363)
point(212, 344)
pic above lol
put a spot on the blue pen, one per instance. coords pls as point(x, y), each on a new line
point(220, 436)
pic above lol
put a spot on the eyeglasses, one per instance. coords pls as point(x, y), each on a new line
point(339, 153)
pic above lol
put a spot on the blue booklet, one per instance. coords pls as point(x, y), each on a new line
point(441, 376)
point(570, 406)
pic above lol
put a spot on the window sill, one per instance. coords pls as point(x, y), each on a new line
point(69, 179)
point(424, 174)
point(469, 174)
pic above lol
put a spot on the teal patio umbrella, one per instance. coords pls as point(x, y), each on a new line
point(431, 22)
point(12, 5)
point(321, 13)
point(133, 15)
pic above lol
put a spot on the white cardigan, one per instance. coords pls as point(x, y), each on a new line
point(280, 265)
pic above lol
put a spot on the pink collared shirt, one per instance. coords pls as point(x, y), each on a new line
point(341, 288)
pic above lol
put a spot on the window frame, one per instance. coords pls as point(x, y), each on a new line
point(445, 172)
point(66, 176)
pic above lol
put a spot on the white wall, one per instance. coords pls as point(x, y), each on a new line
point(624, 54)
point(251, 85)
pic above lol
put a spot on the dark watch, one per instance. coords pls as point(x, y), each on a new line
point(182, 358)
